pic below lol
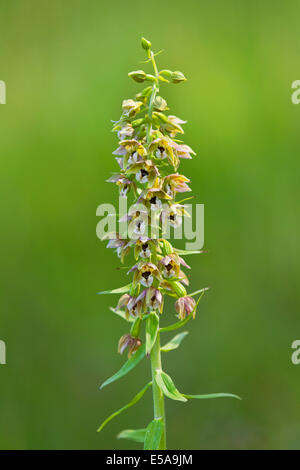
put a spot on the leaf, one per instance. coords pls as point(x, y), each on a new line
point(151, 331)
point(212, 395)
point(121, 314)
point(187, 252)
point(200, 291)
point(137, 435)
point(131, 403)
point(128, 366)
point(120, 290)
point(167, 386)
point(174, 343)
point(176, 325)
point(153, 435)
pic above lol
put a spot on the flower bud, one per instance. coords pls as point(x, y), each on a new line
point(146, 44)
point(138, 75)
point(166, 246)
point(178, 77)
point(135, 329)
point(166, 73)
point(137, 122)
point(178, 288)
point(160, 116)
point(150, 78)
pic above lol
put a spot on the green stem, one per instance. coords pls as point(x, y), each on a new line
point(158, 397)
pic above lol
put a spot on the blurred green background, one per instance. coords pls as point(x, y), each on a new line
point(65, 64)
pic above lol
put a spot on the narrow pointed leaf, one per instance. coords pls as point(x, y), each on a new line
point(200, 291)
point(128, 366)
point(188, 252)
point(137, 435)
point(131, 403)
point(151, 331)
point(175, 342)
point(167, 386)
point(176, 325)
point(212, 395)
point(120, 290)
point(121, 314)
point(153, 435)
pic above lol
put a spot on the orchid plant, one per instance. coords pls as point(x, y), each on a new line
point(148, 156)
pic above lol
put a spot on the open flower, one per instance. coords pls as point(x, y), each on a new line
point(144, 273)
point(128, 341)
point(185, 306)
point(132, 305)
point(131, 107)
point(184, 151)
point(126, 131)
point(128, 147)
point(124, 183)
point(163, 147)
point(120, 244)
point(145, 171)
point(173, 126)
point(175, 183)
point(171, 266)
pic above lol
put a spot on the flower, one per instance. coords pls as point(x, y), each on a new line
point(145, 171)
point(131, 107)
point(185, 306)
point(184, 151)
point(126, 131)
point(128, 341)
point(124, 183)
point(121, 245)
point(175, 183)
point(144, 273)
point(163, 147)
point(173, 126)
point(171, 266)
point(132, 305)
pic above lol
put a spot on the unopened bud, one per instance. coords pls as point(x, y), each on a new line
point(166, 73)
point(138, 75)
point(146, 44)
point(178, 288)
point(166, 247)
point(178, 77)
point(135, 329)
point(160, 116)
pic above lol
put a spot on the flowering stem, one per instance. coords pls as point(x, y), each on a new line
point(158, 397)
point(155, 357)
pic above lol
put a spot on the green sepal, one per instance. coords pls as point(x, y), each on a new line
point(125, 407)
point(167, 386)
point(153, 435)
point(137, 435)
point(212, 395)
point(120, 290)
point(127, 367)
point(152, 323)
point(175, 342)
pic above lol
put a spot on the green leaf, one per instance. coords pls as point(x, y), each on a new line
point(151, 331)
point(167, 386)
point(131, 403)
point(176, 325)
point(200, 291)
point(174, 343)
point(212, 395)
point(128, 366)
point(120, 290)
point(153, 436)
point(137, 435)
point(187, 252)
point(121, 314)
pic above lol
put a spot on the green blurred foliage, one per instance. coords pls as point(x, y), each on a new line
point(65, 64)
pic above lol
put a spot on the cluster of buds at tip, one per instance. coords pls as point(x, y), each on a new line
point(148, 155)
